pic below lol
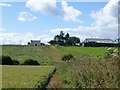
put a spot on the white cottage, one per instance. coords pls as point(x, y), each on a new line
point(35, 42)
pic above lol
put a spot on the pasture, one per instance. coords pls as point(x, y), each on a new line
point(26, 76)
point(48, 55)
point(89, 69)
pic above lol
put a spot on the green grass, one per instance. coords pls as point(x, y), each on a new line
point(0, 76)
point(49, 54)
point(89, 72)
point(25, 76)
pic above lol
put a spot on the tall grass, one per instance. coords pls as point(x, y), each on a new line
point(89, 72)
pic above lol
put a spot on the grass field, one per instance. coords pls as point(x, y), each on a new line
point(26, 76)
point(49, 54)
point(86, 71)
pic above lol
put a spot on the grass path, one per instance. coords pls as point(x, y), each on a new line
point(54, 82)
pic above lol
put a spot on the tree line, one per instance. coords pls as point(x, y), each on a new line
point(65, 40)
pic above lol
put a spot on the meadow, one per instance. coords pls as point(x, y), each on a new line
point(89, 69)
point(49, 54)
point(26, 76)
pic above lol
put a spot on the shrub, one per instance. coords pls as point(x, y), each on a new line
point(67, 57)
point(30, 62)
point(6, 60)
point(111, 52)
point(15, 62)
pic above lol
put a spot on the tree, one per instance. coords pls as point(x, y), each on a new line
point(57, 38)
point(52, 42)
point(61, 34)
point(67, 36)
point(72, 41)
point(77, 40)
point(28, 43)
point(64, 40)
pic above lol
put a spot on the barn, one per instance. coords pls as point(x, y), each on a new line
point(98, 42)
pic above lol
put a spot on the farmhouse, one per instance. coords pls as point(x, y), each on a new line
point(97, 42)
point(36, 43)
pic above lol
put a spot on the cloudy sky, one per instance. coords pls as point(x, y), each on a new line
point(41, 20)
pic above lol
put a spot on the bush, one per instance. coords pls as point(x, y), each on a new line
point(67, 57)
point(15, 62)
point(30, 62)
point(111, 52)
point(6, 60)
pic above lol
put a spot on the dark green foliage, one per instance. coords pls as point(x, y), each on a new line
point(52, 42)
point(61, 34)
point(67, 36)
point(6, 60)
point(111, 52)
point(30, 62)
point(15, 62)
point(72, 41)
point(28, 43)
point(65, 40)
point(67, 57)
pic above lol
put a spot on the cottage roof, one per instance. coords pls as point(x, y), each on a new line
point(35, 40)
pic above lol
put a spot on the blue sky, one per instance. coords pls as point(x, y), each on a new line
point(21, 18)
point(45, 22)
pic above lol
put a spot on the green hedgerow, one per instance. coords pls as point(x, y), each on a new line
point(6, 60)
point(67, 57)
point(30, 62)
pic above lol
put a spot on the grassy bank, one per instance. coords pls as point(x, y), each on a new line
point(49, 54)
point(88, 72)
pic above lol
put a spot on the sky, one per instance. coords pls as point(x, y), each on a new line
point(42, 20)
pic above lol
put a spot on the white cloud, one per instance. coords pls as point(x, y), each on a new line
point(26, 16)
point(90, 32)
point(104, 26)
point(5, 5)
point(23, 39)
point(43, 6)
point(107, 15)
point(2, 29)
point(70, 13)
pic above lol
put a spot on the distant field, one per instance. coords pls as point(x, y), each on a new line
point(25, 76)
point(49, 54)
